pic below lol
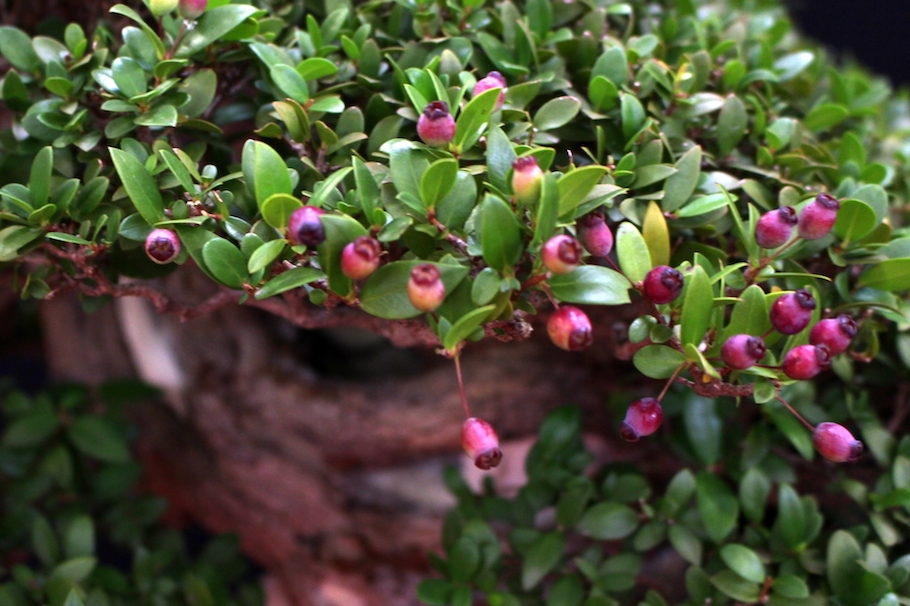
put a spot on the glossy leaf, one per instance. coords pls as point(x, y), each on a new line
point(139, 185)
point(575, 185)
point(591, 284)
point(656, 235)
point(264, 171)
point(632, 251)
point(500, 235)
point(717, 506)
point(340, 230)
point(437, 181)
point(658, 361)
point(473, 118)
point(226, 263)
point(385, 293)
point(288, 280)
point(556, 112)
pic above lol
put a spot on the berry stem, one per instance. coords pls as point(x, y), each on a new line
point(670, 381)
point(798, 416)
point(464, 397)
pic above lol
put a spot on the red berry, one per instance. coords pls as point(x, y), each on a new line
point(192, 9)
point(479, 440)
point(493, 80)
point(835, 333)
point(594, 234)
point(162, 246)
point(806, 361)
point(561, 254)
point(662, 285)
point(526, 177)
point(742, 351)
point(836, 444)
point(436, 126)
point(792, 312)
point(817, 218)
point(776, 227)
point(425, 288)
point(642, 419)
point(570, 329)
point(304, 226)
point(360, 258)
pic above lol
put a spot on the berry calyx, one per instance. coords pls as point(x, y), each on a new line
point(561, 254)
point(740, 352)
point(806, 361)
point(570, 329)
point(776, 227)
point(492, 80)
point(526, 178)
point(662, 285)
point(425, 288)
point(643, 417)
point(436, 126)
point(304, 226)
point(834, 333)
point(360, 258)
point(192, 9)
point(817, 218)
point(792, 312)
point(479, 440)
point(162, 246)
point(594, 234)
point(836, 444)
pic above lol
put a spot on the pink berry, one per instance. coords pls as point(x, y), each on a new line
point(806, 361)
point(192, 9)
point(836, 444)
point(360, 258)
point(304, 226)
point(436, 126)
point(493, 80)
point(792, 312)
point(642, 419)
point(162, 246)
point(594, 234)
point(425, 288)
point(662, 285)
point(479, 440)
point(526, 178)
point(561, 254)
point(817, 218)
point(835, 333)
point(570, 329)
point(742, 351)
point(776, 227)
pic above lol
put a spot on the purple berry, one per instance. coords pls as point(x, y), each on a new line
point(360, 258)
point(479, 440)
point(662, 285)
point(642, 419)
point(192, 9)
point(526, 178)
point(304, 226)
point(561, 254)
point(436, 126)
point(817, 218)
point(493, 80)
point(594, 234)
point(834, 333)
point(570, 329)
point(836, 444)
point(776, 227)
point(162, 246)
point(425, 288)
point(806, 361)
point(792, 312)
point(742, 351)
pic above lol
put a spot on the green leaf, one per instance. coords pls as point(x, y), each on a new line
point(656, 234)
point(473, 118)
point(290, 82)
point(265, 255)
point(278, 208)
point(406, 166)
point(754, 489)
point(500, 155)
point(264, 171)
point(435, 592)
point(466, 325)
point(457, 206)
point(139, 185)
point(340, 230)
point(591, 284)
point(743, 561)
point(612, 65)
point(698, 306)
point(39, 181)
point(556, 112)
point(214, 23)
point(632, 251)
point(855, 219)
point(608, 521)
point(824, 116)
point(177, 168)
point(717, 506)
point(731, 584)
point(16, 47)
point(892, 275)
point(704, 428)
point(201, 86)
point(288, 280)
point(702, 205)
point(437, 181)
point(44, 541)
point(97, 438)
point(547, 210)
point(651, 174)
point(686, 544)
point(385, 294)
point(541, 558)
point(121, 9)
point(731, 125)
point(500, 235)
point(315, 68)
point(791, 519)
point(658, 361)
point(633, 116)
point(74, 570)
point(575, 186)
point(79, 538)
point(226, 263)
point(464, 559)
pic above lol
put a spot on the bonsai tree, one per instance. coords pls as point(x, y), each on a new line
point(687, 185)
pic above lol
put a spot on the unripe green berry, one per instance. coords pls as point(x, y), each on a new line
point(160, 8)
